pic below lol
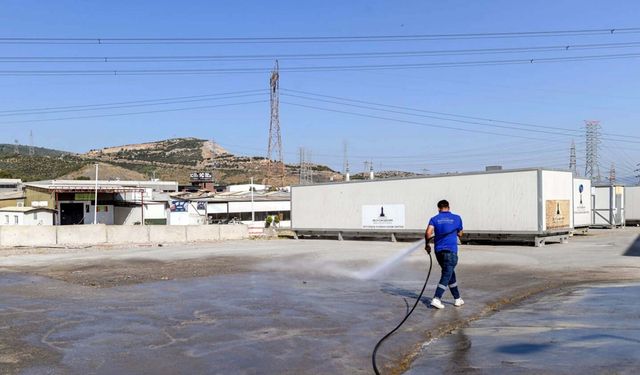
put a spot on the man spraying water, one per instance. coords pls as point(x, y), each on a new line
point(445, 228)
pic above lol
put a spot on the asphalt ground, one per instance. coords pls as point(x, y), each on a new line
point(270, 306)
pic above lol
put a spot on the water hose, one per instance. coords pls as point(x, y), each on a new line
point(424, 287)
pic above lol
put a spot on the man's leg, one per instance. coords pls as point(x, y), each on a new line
point(447, 271)
point(453, 285)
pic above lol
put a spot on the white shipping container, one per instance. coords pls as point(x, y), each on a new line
point(527, 201)
point(582, 215)
point(632, 204)
point(608, 206)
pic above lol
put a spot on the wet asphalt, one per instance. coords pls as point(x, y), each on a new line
point(593, 330)
point(290, 315)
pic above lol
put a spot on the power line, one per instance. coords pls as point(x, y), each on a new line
point(124, 103)
point(134, 113)
point(568, 132)
point(309, 69)
point(322, 39)
point(132, 105)
point(313, 56)
point(434, 117)
point(536, 126)
point(437, 126)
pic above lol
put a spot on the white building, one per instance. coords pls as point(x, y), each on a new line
point(243, 206)
point(26, 216)
point(119, 202)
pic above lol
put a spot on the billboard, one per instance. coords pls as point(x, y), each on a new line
point(201, 177)
point(383, 216)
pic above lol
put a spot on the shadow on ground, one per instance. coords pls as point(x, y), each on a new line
point(634, 249)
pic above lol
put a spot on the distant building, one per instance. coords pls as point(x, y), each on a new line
point(26, 216)
point(12, 198)
point(10, 185)
point(198, 208)
point(119, 202)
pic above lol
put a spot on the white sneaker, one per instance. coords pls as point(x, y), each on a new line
point(436, 303)
point(458, 302)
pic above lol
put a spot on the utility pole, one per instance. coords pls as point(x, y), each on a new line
point(31, 149)
point(95, 207)
point(253, 213)
point(592, 168)
point(345, 162)
point(275, 171)
point(638, 172)
point(572, 159)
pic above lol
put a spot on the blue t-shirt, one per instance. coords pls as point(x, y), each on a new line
point(446, 226)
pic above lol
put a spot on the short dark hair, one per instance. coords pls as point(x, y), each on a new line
point(443, 204)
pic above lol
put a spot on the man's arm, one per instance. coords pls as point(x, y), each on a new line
point(429, 233)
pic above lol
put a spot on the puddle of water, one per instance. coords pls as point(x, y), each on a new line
point(587, 331)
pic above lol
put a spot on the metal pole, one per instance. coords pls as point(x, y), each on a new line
point(95, 207)
point(253, 214)
point(142, 206)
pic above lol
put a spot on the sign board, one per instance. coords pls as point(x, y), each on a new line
point(582, 200)
point(383, 216)
point(85, 196)
point(201, 177)
point(178, 206)
point(202, 206)
point(558, 214)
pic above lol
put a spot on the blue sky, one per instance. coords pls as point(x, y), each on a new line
point(553, 95)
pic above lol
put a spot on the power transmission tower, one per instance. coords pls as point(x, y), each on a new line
point(612, 173)
point(638, 173)
point(275, 171)
point(592, 168)
point(31, 149)
point(16, 147)
point(306, 173)
point(572, 159)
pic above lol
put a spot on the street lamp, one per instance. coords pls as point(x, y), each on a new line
point(253, 213)
point(95, 207)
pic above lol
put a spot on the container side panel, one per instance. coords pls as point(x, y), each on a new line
point(498, 202)
point(632, 203)
point(557, 195)
point(582, 216)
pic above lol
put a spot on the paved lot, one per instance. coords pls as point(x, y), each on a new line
point(250, 307)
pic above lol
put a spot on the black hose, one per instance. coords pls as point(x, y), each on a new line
point(424, 287)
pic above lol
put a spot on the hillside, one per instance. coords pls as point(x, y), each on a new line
point(34, 168)
point(107, 172)
point(171, 160)
point(179, 151)
point(8, 150)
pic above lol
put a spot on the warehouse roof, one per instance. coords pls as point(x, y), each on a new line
point(235, 196)
point(103, 185)
point(11, 195)
point(25, 209)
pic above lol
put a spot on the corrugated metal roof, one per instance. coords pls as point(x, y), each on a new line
point(12, 195)
point(24, 209)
